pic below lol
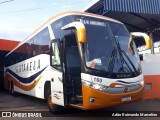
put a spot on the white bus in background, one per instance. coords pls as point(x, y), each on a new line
point(143, 49)
point(77, 59)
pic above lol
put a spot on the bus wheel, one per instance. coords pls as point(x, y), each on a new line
point(12, 92)
point(53, 107)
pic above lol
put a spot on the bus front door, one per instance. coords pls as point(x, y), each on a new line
point(72, 60)
point(56, 74)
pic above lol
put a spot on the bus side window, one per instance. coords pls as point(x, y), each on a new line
point(43, 41)
point(30, 42)
point(35, 47)
point(56, 56)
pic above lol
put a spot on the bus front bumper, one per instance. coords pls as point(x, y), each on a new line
point(95, 99)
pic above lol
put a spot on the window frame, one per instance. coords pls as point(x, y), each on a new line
point(53, 42)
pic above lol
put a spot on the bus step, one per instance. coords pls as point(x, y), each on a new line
point(80, 98)
point(78, 105)
point(76, 100)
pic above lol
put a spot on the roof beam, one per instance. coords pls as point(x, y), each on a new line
point(104, 13)
point(139, 29)
point(149, 21)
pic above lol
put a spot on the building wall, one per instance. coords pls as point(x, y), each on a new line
point(5, 47)
point(151, 72)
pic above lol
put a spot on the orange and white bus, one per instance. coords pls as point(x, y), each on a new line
point(77, 59)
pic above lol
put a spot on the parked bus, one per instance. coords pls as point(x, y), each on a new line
point(77, 59)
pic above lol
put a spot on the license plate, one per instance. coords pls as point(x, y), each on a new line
point(127, 98)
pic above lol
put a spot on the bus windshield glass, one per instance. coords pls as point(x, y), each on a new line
point(106, 48)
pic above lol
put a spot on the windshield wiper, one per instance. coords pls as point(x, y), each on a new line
point(124, 53)
point(112, 61)
point(122, 58)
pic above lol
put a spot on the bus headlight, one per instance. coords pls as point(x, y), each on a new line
point(87, 83)
point(99, 87)
point(142, 83)
point(95, 86)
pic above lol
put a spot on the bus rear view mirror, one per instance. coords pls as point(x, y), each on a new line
point(81, 30)
point(143, 35)
point(139, 35)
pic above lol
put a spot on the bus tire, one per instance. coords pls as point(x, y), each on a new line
point(46, 88)
point(12, 92)
point(51, 106)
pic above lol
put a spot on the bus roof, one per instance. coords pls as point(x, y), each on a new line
point(56, 17)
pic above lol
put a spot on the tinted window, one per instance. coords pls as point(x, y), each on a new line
point(35, 46)
point(39, 44)
point(56, 27)
point(24, 50)
point(43, 40)
point(118, 29)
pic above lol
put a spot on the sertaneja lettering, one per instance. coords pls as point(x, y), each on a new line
point(27, 67)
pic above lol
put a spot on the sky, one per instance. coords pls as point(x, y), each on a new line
point(19, 18)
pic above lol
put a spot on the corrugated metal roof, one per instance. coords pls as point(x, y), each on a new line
point(131, 13)
point(134, 6)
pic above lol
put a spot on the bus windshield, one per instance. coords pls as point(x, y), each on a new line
point(106, 48)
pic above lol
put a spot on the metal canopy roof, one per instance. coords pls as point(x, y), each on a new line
point(135, 6)
point(137, 15)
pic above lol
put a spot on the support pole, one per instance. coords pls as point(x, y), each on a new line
point(152, 42)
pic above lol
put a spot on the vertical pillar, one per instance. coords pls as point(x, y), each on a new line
point(152, 42)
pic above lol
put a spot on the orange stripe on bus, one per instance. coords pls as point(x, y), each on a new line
point(19, 85)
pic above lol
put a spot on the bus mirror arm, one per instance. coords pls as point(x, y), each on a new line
point(136, 35)
point(81, 30)
point(130, 45)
